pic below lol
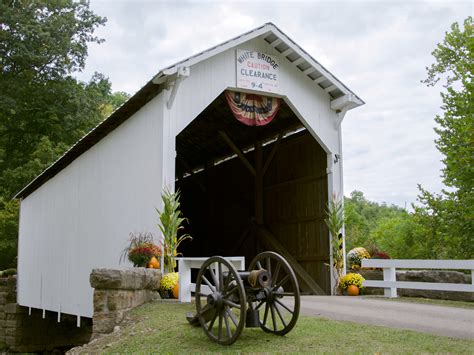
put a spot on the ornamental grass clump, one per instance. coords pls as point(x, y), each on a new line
point(351, 279)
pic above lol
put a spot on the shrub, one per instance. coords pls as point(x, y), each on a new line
point(380, 255)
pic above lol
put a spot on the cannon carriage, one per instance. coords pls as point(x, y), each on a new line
point(227, 300)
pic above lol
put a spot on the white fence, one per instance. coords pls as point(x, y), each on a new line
point(186, 264)
point(390, 283)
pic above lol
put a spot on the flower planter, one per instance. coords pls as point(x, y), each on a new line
point(166, 294)
point(353, 290)
point(175, 291)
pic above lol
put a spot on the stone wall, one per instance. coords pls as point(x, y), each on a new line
point(118, 291)
point(423, 276)
point(24, 332)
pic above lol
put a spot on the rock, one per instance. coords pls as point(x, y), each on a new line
point(116, 329)
point(128, 279)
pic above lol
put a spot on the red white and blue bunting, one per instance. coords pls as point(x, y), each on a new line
point(251, 109)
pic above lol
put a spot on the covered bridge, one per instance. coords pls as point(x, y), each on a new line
point(249, 130)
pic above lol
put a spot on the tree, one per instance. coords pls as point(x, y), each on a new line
point(8, 233)
point(43, 108)
point(448, 217)
point(362, 217)
point(41, 44)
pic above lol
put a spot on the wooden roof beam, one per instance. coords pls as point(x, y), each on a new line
point(298, 61)
point(287, 52)
point(272, 153)
point(276, 42)
point(237, 151)
point(319, 79)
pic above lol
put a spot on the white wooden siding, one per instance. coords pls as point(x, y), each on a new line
point(81, 218)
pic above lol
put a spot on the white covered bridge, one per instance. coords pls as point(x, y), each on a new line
point(248, 130)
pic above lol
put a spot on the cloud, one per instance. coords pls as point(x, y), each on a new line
point(378, 49)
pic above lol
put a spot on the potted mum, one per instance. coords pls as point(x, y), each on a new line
point(355, 256)
point(169, 285)
point(142, 251)
point(351, 283)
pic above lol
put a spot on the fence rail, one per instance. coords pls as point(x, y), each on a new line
point(186, 264)
point(390, 283)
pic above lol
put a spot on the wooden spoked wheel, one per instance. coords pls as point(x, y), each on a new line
point(220, 300)
point(280, 306)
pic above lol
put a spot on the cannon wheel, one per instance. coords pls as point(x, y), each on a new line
point(281, 305)
point(222, 311)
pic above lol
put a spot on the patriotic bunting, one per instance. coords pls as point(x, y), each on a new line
point(251, 109)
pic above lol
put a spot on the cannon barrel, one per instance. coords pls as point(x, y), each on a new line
point(255, 278)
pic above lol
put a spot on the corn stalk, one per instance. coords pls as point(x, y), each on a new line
point(335, 221)
point(170, 224)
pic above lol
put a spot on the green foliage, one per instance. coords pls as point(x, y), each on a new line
point(390, 229)
point(8, 272)
point(399, 237)
point(115, 100)
point(362, 217)
point(8, 233)
point(170, 224)
point(43, 40)
point(448, 218)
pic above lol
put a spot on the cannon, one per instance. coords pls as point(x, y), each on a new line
point(265, 296)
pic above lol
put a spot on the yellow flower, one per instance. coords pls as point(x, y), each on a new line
point(169, 281)
point(351, 279)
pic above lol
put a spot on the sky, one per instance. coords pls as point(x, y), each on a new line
point(379, 49)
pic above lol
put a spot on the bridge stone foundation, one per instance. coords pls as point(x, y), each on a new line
point(21, 331)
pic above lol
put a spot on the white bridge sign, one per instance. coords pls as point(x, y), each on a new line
point(257, 71)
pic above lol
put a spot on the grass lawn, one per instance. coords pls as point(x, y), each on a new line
point(162, 327)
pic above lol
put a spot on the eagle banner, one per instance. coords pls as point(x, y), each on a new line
point(251, 109)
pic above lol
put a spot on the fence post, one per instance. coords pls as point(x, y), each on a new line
point(390, 274)
point(184, 280)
